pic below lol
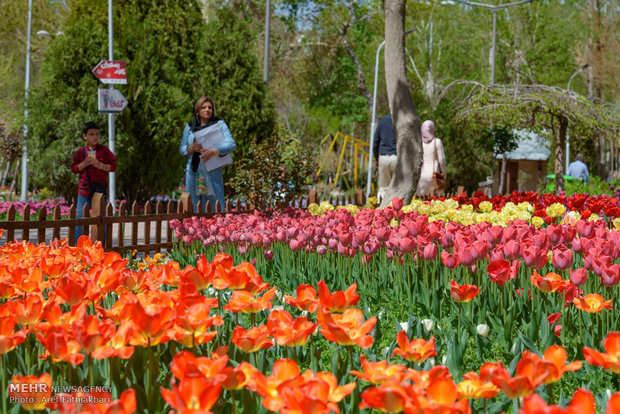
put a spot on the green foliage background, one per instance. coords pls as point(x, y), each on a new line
point(173, 56)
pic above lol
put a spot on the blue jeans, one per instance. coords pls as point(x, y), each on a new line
point(81, 201)
point(218, 187)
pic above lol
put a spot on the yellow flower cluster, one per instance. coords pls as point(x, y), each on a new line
point(556, 210)
point(157, 260)
point(466, 214)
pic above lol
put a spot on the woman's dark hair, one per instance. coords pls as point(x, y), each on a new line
point(90, 125)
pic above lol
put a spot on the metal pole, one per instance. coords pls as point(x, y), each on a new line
point(24, 184)
point(493, 47)
point(372, 123)
point(267, 30)
point(111, 126)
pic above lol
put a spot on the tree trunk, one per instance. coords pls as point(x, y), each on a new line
point(560, 144)
point(406, 121)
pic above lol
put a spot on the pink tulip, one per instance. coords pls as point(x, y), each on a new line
point(611, 275)
point(332, 244)
point(495, 234)
point(535, 257)
point(585, 228)
point(578, 276)
point(430, 252)
point(451, 261)
point(383, 233)
point(406, 245)
point(345, 238)
point(297, 244)
point(321, 249)
point(512, 249)
point(397, 203)
point(562, 258)
point(466, 257)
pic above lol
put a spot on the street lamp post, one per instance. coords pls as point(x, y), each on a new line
point(267, 30)
point(24, 184)
point(570, 80)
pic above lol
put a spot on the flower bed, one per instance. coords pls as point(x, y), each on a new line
point(382, 310)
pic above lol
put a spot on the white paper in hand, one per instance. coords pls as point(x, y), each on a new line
point(211, 137)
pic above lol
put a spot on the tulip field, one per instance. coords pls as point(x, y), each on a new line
point(462, 305)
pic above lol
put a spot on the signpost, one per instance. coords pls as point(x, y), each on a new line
point(111, 71)
point(111, 101)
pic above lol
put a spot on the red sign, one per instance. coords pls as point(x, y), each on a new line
point(111, 71)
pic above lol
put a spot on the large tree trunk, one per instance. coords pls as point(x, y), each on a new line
point(560, 143)
point(406, 121)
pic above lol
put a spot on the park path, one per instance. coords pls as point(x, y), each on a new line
point(64, 233)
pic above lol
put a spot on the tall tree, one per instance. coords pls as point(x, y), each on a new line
point(162, 84)
point(406, 121)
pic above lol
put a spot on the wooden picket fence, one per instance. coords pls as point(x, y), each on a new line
point(145, 231)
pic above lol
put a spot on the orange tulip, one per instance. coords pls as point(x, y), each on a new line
point(289, 332)
point(60, 346)
point(32, 392)
point(592, 303)
point(9, 339)
point(306, 299)
point(613, 405)
point(582, 403)
point(150, 322)
point(524, 382)
point(200, 276)
point(75, 288)
point(117, 345)
point(306, 400)
point(251, 340)
point(552, 282)
point(417, 350)
point(193, 394)
point(185, 365)
point(554, 363)
point(92, 333)
point(473, 386)
point(348, 328)
point(387, 397)
point(285, 371)
point(338, 301)
point(609, 360)
point(378, 372)
point(242, 276)
point(246, 302)
point(28, 310)
point(463, 293)
point(336, 392)
point(441, 397)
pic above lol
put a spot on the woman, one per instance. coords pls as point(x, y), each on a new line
point(434, 160)
point(202, 184)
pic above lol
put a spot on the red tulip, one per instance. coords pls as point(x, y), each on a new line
point(500, 271)
point(463, 293)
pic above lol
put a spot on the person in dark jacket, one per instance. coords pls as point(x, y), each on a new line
point(93, 162)
point(384, 150)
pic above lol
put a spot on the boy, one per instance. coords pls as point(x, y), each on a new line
point(93, 162)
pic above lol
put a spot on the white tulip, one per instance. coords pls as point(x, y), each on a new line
point(404, 325)
point(483, 330)
point(428, 324)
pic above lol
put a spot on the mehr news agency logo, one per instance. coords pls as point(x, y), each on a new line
point(43, 393)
